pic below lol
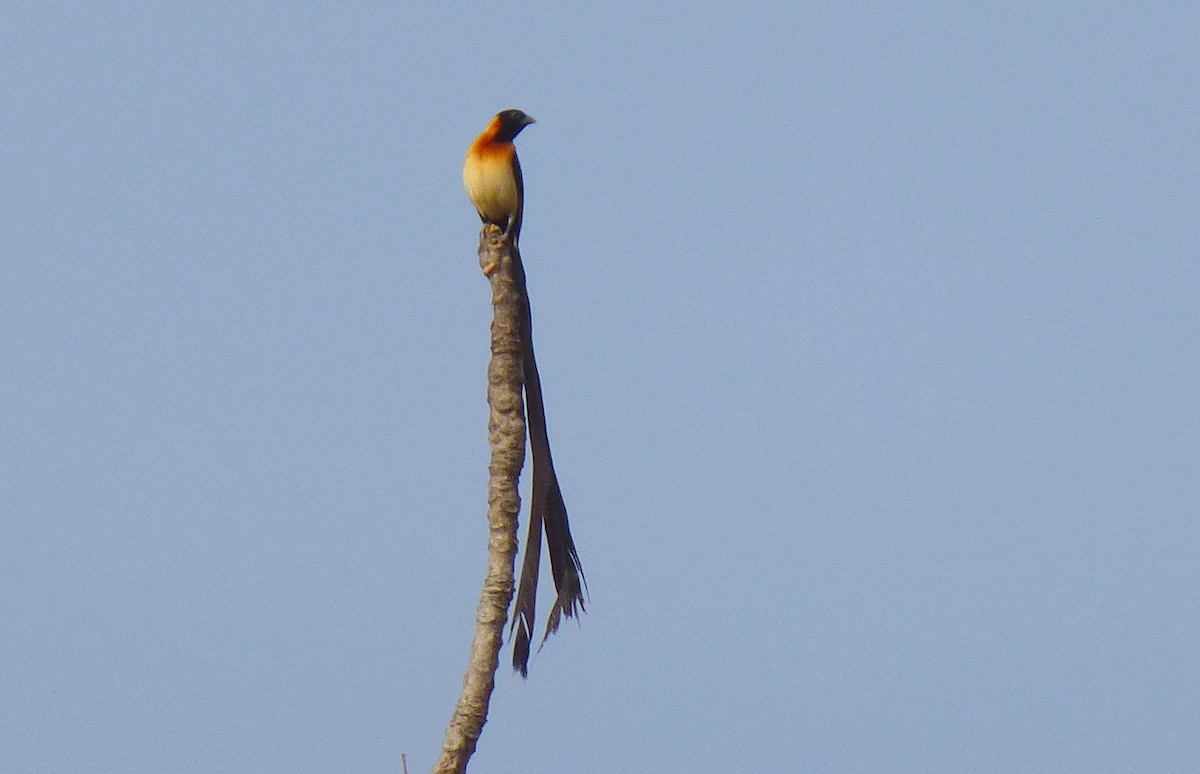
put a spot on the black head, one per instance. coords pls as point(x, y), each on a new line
point(511, 123)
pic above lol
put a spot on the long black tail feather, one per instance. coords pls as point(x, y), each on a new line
point(547, 511)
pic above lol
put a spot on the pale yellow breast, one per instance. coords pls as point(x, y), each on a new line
point(489, 180)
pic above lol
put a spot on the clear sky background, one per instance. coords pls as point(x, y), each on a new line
point(869, 339)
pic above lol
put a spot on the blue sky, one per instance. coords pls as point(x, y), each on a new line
point(868, 334)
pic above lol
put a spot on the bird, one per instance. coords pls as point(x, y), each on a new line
point(492, 173)
point(492, 177)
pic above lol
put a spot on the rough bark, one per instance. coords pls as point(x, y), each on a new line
point(506, 436)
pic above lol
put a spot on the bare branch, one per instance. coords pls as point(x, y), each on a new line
point(506, 436)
